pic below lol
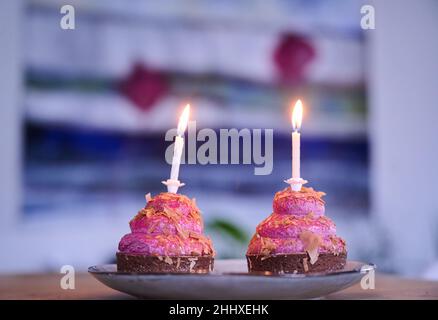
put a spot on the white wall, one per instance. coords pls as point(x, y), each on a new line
point(403, 71)
point(10, 112)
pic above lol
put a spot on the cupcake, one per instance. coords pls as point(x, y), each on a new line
point(297, 237)
point(166, 237)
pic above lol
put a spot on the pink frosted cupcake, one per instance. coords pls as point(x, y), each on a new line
point(166, 236)
point(297, 237)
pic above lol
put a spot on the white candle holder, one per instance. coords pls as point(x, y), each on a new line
point(172, 185)
point(295, 183)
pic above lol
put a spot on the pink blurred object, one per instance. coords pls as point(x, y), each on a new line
point(291, 57)
point(144, 87)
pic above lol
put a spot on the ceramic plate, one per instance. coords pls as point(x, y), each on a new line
point(230, 280)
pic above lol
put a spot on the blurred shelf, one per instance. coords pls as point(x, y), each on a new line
point(232, 40)
point(112, 112)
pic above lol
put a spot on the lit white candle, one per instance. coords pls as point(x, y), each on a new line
point(297, 116)
point(296, 181)
point(173, 183)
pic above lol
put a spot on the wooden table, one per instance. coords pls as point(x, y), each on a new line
point(47, 286)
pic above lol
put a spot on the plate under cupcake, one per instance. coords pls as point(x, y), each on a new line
point(230, 280)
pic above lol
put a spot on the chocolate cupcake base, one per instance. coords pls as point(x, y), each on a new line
point(163, 264)
point(295, 263)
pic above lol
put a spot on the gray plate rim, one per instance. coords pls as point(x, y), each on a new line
point(361, 267)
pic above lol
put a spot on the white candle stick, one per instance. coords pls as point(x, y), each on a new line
point(296, 137)
point(173, 183)
point(296, 181)
point(176, 160)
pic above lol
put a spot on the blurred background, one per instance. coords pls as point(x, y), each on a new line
point(84, 113)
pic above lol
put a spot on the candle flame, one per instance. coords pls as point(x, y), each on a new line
point(297, 115)
point(183, 120)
